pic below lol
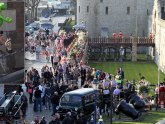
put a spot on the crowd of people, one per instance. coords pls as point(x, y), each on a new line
point(46, 88)
point(44, 46)
point(47, 85)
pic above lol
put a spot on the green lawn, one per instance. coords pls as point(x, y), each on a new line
point(132, 70)
point(151, 117)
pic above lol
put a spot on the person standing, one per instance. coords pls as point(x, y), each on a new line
point(47, 97)
point(38, 100)
point(120, 36)
point(83, 75)
point(25, 104)
point(43, 121)
point(100, 120)
point(68, 119)
point(60, 74)
point(30, 91)
point(35, 121)
point(55, 102)
point(55, 119)
point(42, 89)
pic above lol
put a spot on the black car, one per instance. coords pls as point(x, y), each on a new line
point(81, 100)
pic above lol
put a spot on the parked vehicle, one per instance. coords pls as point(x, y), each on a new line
point(35, 25)
point(84, 99)
point(29, 29)
point(45, 20)
point(46, 25)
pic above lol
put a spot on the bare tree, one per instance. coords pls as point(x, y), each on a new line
point(75, 10)
point(32, 6)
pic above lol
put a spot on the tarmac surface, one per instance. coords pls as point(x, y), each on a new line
point(30, 113)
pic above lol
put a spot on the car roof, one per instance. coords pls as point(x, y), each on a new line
point(47, 23)
point(34, 23)
point(28, 26)
point(81, 92)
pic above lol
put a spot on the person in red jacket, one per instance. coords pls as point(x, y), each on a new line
point(120, 35)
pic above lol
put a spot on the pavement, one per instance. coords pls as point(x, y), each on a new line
point(30, 113)
point(38, 65)
point(58, 19)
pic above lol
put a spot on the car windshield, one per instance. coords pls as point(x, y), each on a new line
point(33, 24)
point(29, 28)
point(71, 100)
point(46, 25)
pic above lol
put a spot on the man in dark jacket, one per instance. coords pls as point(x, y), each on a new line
point(83, 75)
point(68, 119)
point(83, 118)
point(43, 121)
point(55, 102)
point(47, 97)
point(24, 106)
point(38, 100)
point(55, 119)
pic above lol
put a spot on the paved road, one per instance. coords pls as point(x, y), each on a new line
point(30, 113)
point(38, 65)
point(58, 19)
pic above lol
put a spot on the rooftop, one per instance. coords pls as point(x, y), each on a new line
point(81, 91)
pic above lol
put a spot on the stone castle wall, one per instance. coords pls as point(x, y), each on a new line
point(157, 27)
point(160, 44)
point(117, 18)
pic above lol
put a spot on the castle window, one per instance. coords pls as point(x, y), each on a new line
point(147, 12)
point(128, 10)
point(101, 1)
point(87, 8)
point(79, 9)
point(162, 9)
point(106, 10)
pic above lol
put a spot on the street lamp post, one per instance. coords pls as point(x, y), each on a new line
point(95, 82)
point(111, 104)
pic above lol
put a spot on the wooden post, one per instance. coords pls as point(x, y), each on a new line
point(134, 49)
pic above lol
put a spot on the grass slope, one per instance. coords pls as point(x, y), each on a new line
point(151, 118)
point(132, 70)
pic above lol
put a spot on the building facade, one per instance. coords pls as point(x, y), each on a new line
point(104, 17)
point(158, 30)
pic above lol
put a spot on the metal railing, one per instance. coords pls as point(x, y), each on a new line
point(125, 40)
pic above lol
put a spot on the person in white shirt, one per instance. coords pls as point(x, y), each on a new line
point(116, 92)
point(42, 88)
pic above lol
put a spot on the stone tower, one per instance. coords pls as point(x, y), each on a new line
point(103, 17)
